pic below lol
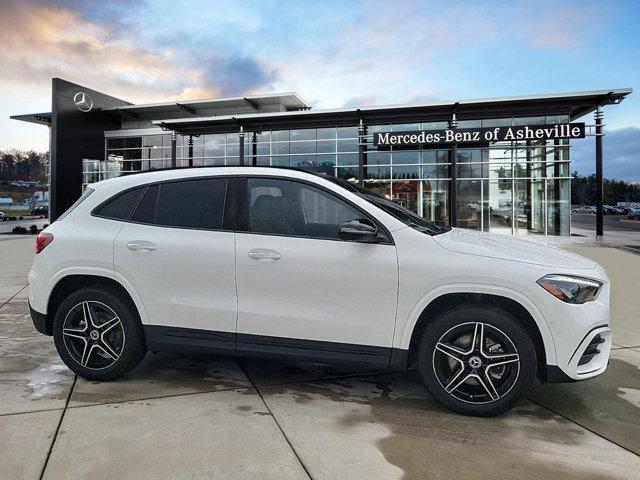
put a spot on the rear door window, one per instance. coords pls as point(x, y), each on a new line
point(192, 203)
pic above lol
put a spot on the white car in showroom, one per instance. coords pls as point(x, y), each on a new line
point(273, 262)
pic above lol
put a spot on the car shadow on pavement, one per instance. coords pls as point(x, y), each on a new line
point(164, 375)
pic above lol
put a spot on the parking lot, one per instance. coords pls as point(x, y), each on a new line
point(610, 222)
point(179, 416)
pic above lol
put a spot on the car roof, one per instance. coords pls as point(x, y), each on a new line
point(112, 186)
point(142, 178)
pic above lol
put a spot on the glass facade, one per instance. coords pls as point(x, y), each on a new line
point(516, 187)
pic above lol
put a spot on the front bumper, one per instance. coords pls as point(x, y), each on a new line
point(589, 359)
point(39, 321)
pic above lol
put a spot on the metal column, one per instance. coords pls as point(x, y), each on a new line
point(599, 178)
point(241, 147)
point(362, 131)
point(543, 175)
point(254, 149)
point(529, 211)
point(453, 188)
point(191, 150)
point(174, 144)
point(513, 191)
point(557, 227)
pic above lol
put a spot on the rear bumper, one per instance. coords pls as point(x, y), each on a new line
point(39, 320)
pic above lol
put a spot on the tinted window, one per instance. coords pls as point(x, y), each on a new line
point(192, 203)
point(146, 209)
point(120, 206)
point(284, 207)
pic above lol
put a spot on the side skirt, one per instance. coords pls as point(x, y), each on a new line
point(162, 338)
point(189, 340)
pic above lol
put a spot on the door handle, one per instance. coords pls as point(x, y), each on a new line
point(264, 254)
point(141, 246)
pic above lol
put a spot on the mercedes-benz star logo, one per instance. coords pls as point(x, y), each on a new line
point(83, 101)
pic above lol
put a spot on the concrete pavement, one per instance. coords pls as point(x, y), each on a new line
point(16, 256)
point(179, 416)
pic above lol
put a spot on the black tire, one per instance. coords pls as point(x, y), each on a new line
point(497, 378)
point(108, 346)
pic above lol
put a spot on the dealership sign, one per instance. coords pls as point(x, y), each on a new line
point(479, 135)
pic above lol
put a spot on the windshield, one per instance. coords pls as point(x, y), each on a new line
point(406, 216)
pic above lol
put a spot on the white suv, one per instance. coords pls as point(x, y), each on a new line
point(284, 263)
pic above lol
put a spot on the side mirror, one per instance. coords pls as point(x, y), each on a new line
point(359, 231)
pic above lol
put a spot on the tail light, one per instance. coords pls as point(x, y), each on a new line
point(44, 239)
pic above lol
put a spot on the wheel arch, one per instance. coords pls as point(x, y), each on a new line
point(74, 281)
point(544, 350)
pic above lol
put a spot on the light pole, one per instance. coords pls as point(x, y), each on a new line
point(174, 144)
point(599, 176)
point(241, 146)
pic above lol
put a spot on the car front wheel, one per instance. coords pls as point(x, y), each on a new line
point(477, 360)
point(97, 334)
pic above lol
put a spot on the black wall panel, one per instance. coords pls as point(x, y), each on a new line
point(76, 135)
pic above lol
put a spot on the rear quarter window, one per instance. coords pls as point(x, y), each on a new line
point(120, 206)
point(146, 209)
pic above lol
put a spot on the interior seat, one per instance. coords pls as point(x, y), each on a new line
point(271, 215)
point(259, 214)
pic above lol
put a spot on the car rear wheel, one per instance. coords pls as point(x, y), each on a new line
point(97, 334)
point(477, 360)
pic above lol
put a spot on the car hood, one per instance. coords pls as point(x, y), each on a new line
point(504, 247)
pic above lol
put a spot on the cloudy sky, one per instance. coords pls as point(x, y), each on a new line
point(333, 53)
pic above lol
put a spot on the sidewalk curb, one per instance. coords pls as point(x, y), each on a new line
point(635, 251)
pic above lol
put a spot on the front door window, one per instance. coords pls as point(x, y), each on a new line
point(283, 207)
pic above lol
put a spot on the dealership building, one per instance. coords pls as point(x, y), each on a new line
point(499, 164)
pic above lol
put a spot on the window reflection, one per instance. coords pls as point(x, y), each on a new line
point(507, 187)
point(435, 200)
point(468, 210)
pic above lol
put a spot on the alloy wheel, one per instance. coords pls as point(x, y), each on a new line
point(93, 335)
point(476, 362)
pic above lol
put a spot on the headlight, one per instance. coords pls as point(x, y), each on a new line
point(571, 289)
